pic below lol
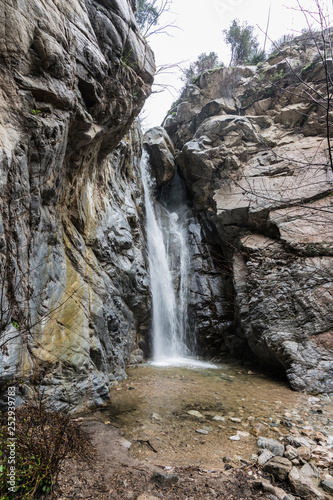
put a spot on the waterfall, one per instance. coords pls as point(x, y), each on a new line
point(169, 264)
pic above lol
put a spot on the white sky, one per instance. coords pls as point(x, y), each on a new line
point(201, 23)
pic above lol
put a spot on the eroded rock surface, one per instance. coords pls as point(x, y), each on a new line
point(74, 288)
point(252, 149)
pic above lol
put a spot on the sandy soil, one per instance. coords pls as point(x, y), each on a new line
point(115, 475)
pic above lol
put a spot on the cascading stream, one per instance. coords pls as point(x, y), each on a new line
point(168, 257)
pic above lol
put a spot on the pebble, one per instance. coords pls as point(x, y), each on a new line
point(234, 438)
point(164, 480)
point(195, 413)
point(243, 434)
point(156, 416)
point(235, 420)
point(201, 431)
point(219, 418)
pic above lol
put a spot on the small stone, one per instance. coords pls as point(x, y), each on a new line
point(319, 436)
point(304, 453)
point(195, 413)
point(327, 485)
point(219, 418)
point(322, 457)
point(164, 480)
point(290, 452)
point(156, 416)
point(258, 430)
point(279, 467)
point(271, 444)
point(201, 431)
point(243, 434)
point(234, 438)
point(264, 457)
point(235, 420)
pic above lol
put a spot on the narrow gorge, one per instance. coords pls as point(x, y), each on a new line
point(220, 243)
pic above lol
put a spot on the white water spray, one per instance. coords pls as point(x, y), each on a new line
point(169, 257)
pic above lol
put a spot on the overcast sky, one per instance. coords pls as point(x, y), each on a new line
point(200, 30)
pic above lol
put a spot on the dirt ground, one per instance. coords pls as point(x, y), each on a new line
point(116, 474)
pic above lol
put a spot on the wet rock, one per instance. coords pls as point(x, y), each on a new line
point(164, 480)
point(279, 467)
point(304, 486)
point(271, 444)
point(322, 457)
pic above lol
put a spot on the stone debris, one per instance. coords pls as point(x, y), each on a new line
point(271, 444)
point(164, 480)
point(219, 418)
point(304, 486)
point(201, 431)
point(264, 457)
point(279, 467)
point(195, 413)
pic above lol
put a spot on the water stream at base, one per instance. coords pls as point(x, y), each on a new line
point(169, 264)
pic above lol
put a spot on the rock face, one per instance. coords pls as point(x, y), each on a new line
point(161, 154)
point(251, 147)
point(74, 288)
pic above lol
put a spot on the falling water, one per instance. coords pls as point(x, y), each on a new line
point(169, 257)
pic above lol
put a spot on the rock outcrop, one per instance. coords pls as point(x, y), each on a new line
point(74, 287)
point(252, 147)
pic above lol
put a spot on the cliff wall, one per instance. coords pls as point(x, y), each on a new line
point(74, 287)
point(251, 144)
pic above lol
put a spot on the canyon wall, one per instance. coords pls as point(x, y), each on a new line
point(74, 285)
point(251, 144)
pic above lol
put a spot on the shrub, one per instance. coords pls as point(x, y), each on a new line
point(43, 440)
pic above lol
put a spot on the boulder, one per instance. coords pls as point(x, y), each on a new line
point(161, 153)
point(303, 485)
point(279, 467)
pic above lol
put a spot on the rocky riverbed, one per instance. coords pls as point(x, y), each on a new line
point(227, 418)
